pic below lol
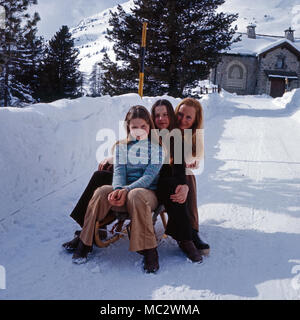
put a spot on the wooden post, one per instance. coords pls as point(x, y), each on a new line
point(286, 85)
point(142, 67)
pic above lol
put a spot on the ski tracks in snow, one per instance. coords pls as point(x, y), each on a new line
point(248, 199)
point(255, 217)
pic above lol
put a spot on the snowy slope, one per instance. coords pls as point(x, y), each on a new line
point(89, 36)
point(248, 201)
point(272, 17)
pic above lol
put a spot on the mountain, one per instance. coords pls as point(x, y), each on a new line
point(271, 17)
point(90, 39)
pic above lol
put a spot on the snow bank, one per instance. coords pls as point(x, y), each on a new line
point(45, 146)
point(290, 102)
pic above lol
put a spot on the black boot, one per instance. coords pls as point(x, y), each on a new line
point(199, 244)
point(72, 245)
point(150, 260)
point(190, 250)
point(81, 253)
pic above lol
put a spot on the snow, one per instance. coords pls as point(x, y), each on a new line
point(255, 47)
point(270, 17)
point(248, 201)
point(89, 36)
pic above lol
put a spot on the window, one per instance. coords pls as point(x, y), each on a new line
point(280, 62)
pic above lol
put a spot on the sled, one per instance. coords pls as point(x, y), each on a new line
point(119, 228)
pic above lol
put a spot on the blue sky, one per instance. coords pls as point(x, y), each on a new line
point(55, 13)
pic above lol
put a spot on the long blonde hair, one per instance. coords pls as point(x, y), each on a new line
point(199, 121)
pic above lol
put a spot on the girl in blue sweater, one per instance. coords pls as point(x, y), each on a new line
point(138, 160)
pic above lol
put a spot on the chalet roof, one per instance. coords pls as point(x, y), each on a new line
point(279, 43)
point(262, 44)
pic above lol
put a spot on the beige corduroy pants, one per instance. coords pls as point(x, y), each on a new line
point(140, 204)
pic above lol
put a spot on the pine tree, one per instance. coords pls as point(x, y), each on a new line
point(95, 81)
point(31, 48)
point(14, 88)
point(184, 41)
point(60, 77)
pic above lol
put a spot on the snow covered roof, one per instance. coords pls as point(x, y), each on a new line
point(261, 44)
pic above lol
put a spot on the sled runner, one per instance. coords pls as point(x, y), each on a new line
point(119, 229)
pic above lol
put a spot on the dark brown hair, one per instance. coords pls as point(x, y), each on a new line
point(170, 110)
point(137, 112)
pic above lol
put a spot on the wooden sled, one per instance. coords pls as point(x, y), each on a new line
point(119, 228)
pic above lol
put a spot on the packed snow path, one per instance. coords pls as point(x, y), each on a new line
point(249, 209)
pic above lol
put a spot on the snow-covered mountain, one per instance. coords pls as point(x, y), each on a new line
point(90, 39)
point(271, 17)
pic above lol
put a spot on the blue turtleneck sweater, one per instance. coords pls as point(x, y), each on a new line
point(137, 165)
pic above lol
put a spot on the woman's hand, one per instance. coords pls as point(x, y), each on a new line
point(105, 163)
point(181, 193)
point(117, 198)
point(193, 165)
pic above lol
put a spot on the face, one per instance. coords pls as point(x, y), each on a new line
point(161, 120)
point(186, 117)
point(139, 129)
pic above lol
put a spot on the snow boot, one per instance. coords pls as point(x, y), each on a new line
point(200, 244)
point(72, 245)
point(188, 247)
point(151, 264)
point(81, 253)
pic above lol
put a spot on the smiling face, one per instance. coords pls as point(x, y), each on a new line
point(161, 119)
point(139, 129)
point(186, 116)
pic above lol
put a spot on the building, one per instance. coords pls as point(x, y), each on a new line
point(260, 64)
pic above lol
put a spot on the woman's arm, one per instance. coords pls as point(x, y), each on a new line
point(105, 164)
point(120, 160)
point(192, 162)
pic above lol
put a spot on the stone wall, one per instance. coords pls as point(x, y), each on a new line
point(254, 79)
point(268, 62)
point(229, 71)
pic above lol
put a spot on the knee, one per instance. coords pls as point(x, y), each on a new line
point(136, 196)
point(102, 192)
point(102, 175)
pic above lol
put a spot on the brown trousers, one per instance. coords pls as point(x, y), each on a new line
point(139, 203)
point(192, 201)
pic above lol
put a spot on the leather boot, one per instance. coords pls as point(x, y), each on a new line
point(199, 244)
point(81, 253)
point(72, 245)
point(188, 247)
point(150, 260)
